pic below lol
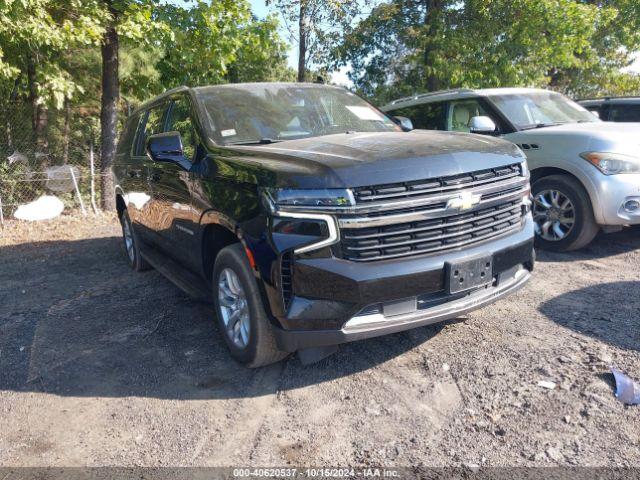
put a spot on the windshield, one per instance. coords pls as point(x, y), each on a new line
point(264, 113)
point(540, 109)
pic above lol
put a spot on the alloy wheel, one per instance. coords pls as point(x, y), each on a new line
point(234, 308)
point(128, 239)
point(554, 215)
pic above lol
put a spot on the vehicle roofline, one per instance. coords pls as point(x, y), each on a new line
point(194, 90)
point(160, 97)
point(607, 99)
point(452, 94)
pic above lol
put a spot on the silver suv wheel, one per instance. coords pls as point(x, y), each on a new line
point(554, 215)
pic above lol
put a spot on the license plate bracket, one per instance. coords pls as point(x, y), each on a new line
point(463, 276)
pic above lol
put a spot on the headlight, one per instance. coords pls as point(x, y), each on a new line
point(329, 197)
point(303, 232)
point(612, 163)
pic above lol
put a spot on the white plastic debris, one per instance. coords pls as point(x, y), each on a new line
point(546, 384)
point(627, 391)
point(60, 178)
point(44, 208)
point(17, 157)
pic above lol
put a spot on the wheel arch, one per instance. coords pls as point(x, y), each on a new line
point(541, 172)
point(214, 237)
point(121, 204)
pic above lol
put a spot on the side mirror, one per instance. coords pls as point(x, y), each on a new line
point(166, 147)
point(482, 125)
point(404, 123)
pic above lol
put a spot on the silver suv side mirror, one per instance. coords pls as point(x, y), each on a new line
point(482, 125)
point(405, 123)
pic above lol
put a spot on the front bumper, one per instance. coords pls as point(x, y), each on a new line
point(610, 193)
point(335, 300)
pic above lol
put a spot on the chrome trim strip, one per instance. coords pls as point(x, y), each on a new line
point(440, 312)
point(435, 226)
point(413, 202)
point(439, 237)
point(334, 233)
point(452, 188)
point(442, 248)
point(365, 222)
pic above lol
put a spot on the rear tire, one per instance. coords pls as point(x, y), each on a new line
point(132, 244)
point(579, 227)
point(242, 319)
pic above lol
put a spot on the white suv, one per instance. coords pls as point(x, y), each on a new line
point(585, 173)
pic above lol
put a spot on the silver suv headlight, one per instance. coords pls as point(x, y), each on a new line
point(612, 163)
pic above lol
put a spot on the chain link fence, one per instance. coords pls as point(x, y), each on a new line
point(49, 162)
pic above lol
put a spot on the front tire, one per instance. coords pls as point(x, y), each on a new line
point(562, 214)
point(242, 319)
point(132, 245)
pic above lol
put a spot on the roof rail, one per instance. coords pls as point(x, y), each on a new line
point(608, 97)
point(146, 103)
point(431, 94)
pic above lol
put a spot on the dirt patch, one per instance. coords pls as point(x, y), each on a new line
point(103, 366)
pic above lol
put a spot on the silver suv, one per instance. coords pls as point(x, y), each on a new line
point(585, 173)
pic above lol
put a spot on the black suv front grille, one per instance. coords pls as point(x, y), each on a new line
point(414, 218)
point(416, 189)
point(431, 235)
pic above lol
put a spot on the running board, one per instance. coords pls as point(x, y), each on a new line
point(182, 278)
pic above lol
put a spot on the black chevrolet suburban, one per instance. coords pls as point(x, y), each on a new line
point(309, 218)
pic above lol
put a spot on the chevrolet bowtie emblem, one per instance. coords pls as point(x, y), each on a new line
point(464, 201)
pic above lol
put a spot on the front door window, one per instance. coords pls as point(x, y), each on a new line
point(461, 112)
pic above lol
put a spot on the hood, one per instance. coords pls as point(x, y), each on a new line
point(593, 135)
point(360, 159)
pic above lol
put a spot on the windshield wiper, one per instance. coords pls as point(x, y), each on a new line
point(262, 141)
point(542, 125)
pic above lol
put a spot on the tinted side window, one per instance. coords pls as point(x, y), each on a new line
point(598, 110)
point(128, 134)
point(152, 123)
point(429, 116)
point(180, 120)
point(624, 113)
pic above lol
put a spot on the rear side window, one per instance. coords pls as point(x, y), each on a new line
point(151, 123)
point(624, 113)
point(428, 116)
point(598, 109)
point(128, 134)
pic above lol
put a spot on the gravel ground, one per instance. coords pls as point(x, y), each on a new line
point(102, 366)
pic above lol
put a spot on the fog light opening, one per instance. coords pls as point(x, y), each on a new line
point(631, 206)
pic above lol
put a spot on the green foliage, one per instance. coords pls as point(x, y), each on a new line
point(219, 42)
point(575, 46)
point(317, 26)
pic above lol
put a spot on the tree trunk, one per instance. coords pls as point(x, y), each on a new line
point(39, 114)
point(302, 41)
point(431, 19)
point(109, 109)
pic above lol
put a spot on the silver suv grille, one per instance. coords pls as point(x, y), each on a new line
point(407, 219)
